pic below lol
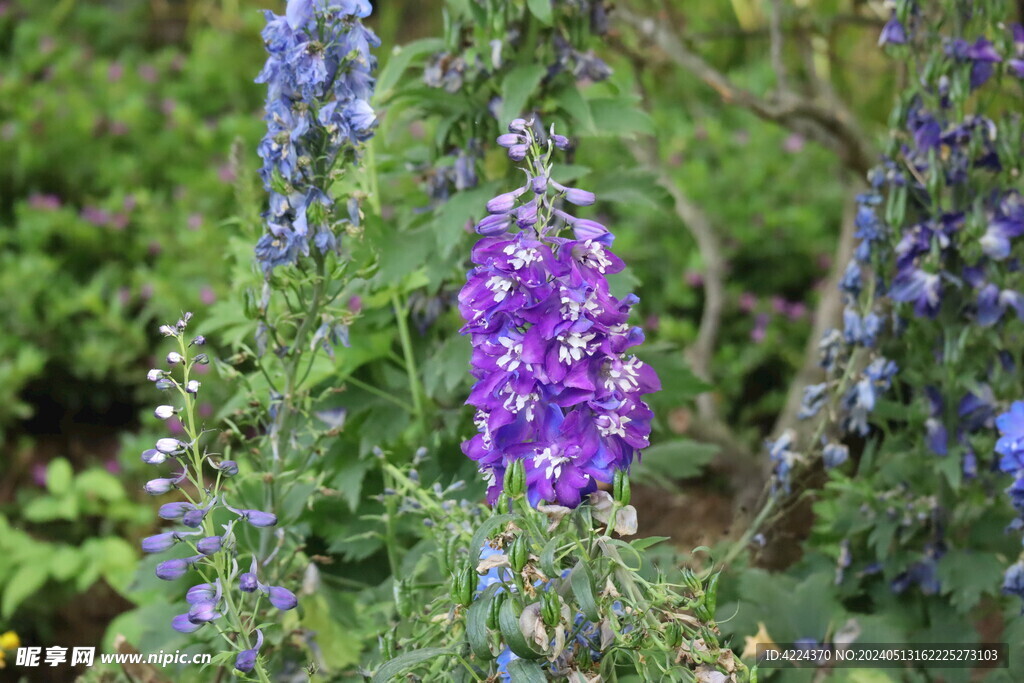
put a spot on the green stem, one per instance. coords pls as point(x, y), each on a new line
point(415, 388)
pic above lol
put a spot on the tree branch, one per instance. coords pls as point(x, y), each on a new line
point(828, 122)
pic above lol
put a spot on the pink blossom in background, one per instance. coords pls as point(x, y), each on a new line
point(154, 248)
point(130, 202)
point(195, 221)
point(115, 72)
point(355, 304)
point(124, 295)
point(694, 278)
point(797, 310)
point(226, 174)
point(653, 322)
point(148, 73)
point(44, 202)
point(111, 465)
point(167, 106)
point(146, 292)
point(200, 369)
point(174, 425)
point(119, 221)
point(95, 215)
point(760, 328)
point(207, 295)
point(39, 474)
point(779, 305)
point(118, 128)
point(794, 143)
point(205, 409)
point(824, 261)
point(748, 302)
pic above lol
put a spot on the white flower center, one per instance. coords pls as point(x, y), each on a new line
point(551, 463)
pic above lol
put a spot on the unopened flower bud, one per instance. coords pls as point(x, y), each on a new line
point(168, 331)
point(168, 445)
point(153, 457)
point(620, 487)
point(164, 384)
point(518, 152)
point(210, 545)
point(157, 487)
point(228, 468)
point(518, 125)
point(515, 479)
point(201, 359)
point(154, 374)
point(560, 141)
point(164, 412)
point(519, 553)
point(173, 358)
point(247, 582)
point(509, 139)
point(192, 387)
point(158, 543)
point(282, 598)
point(172, 569)
point(199, 340)
point(181, 624)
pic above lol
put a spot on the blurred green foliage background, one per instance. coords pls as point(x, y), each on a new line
point(128, 132)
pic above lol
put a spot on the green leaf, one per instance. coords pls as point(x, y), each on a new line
point(476, 623)
point(674, 460)
point(517, 88)
point(58, 476)
point(618, 116)
point(525, 671)
point(29, 578)
point(484, 531)
point(966, 576)
point(547, 557)
point(340, 649)
point(508, 622)
point(542, 10)
point(582, 582)
point(577, 107)
point(407, 661)
point(399, 61)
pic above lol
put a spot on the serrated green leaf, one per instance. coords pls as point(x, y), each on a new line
point(516, 89)
point(407, 661)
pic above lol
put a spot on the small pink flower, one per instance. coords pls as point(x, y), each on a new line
point(200, 369)
point(118, 128)
point(793, 144)
point(130, 202)
point(226, 173)
point(39, 474)
point(148, 73)
point(95, 215)
point(167, 106)
point(748, 302)
point(205, 409)
point(174, 425)
point(779, 305)
point(119, 221)
point(195, 221)
point(207, 295)
point(44, 202)
point(115, 72)
point(124, 295)
point(653, 322)
point(111, 465)
point(797, 310)
point(694, 278)
point(355, 304)
point(154, 248)
point(760, 328)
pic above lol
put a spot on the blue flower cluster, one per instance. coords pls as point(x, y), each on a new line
point(1010, 448)
point(556, 386)
point(211, 552)
point(319, 78)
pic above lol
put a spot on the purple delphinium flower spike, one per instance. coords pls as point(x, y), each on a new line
point(319, 77)
point(556, 384)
